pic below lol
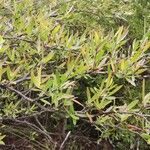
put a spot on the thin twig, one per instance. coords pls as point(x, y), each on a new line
point(17, 92)
point(32, 126)
point(32, 115)
point(66, 138)
point(26, 77)
point(26, 98)
point(19, 38)
point(39, 123)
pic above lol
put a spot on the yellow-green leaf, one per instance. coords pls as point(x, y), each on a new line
point(48, 57)
point(132, 104)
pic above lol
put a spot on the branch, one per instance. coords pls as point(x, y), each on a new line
point(66, 138)
point(19, 39)
point(27, 98)
point(17, 92)
point(83, 114)
point(24, 78)
point(25, 123)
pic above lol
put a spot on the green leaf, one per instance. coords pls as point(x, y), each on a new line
point(2, 143)
point(45, 102)
point(123, 65)
point(1, 42)
point(131, 81)
point(102, 120)
point(121, 34)
point(56, 29)
point(89, 99)
point(146, 99)
point(102, 104)
point(136, 56)
point(11, 54)
point(9, 73)
point(115, 90)
point(109, 80)
point(124, 117)
point(2, 71)
point(36, 79)
point(38, 46)
point(96, 37)
point(132, 104)
point(48, 57)
point(140, 71)
point(72, 114)
point(1, 138)
point(146, 137)
point(147, 46)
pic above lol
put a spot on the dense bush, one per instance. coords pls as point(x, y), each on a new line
point(74, 74)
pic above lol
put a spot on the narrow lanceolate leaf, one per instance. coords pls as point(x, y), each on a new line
point(132, 104)
point(146, 99)
point(38, 45)
point(2, 143)
point(136, 56)
point(48, 57)
point(39, 76)
point(124, 117)
point(11, 74)
point(89, 99)
point(115, 90)
point(2, 71)
point(123, 65)
point(131, 81)
point(1, 41)
point(146, 137)
point(56, 29)
point(96, 38)
point(147, 46)
point(121, 34)
point(36, 79)
point(1, 139)
point(102, 104)
point(140, 71)
point(45, 102)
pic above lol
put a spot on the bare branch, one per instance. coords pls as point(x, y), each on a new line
point(66, 138)
point(25, 123)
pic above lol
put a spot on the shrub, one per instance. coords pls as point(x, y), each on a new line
point(58, 80)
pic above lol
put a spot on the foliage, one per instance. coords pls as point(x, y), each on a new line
point(65, 64)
